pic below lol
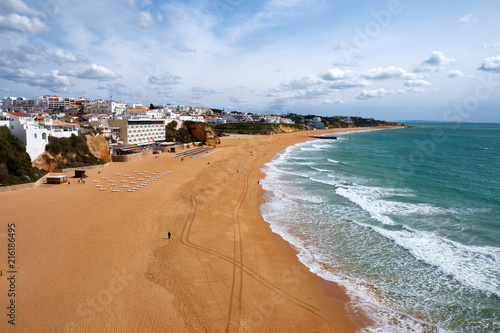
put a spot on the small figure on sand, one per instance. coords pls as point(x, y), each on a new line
point(169, 234)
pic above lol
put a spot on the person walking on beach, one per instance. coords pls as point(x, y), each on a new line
point(169, 234)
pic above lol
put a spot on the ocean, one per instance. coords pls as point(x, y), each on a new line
point(407, 220)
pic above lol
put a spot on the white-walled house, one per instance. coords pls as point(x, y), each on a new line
point(30, 133)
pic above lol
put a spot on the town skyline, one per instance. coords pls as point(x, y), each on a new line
point(392, 60)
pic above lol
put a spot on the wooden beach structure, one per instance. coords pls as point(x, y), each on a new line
point(80, 173)
point(56, 179)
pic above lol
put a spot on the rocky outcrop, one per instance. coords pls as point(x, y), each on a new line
point(284, 128)
point(46, 161)
point(202, 132)
point(70, 156)
point(99, 147)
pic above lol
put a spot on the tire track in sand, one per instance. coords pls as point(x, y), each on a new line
point(234, 316)
point(238, 264)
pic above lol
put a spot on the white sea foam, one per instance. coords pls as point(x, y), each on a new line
point(474, 266)
point(380, 203)
point(332, 161)
point(364, 297)
point(305, 163)
point(321, 170)
point(310, 149)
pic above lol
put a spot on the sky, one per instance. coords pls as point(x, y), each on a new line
point(393, 60)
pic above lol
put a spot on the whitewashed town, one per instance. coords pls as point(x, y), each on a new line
point(32, 121)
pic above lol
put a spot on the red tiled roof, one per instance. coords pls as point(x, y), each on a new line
point(19, 114)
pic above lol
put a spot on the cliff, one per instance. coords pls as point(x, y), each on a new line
point(73, 152)
point(285, 128)
point(259, 128)
point(202, 132)
point(99, 147)
point(46, 161)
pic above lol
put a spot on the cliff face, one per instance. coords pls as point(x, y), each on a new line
point(99, 147)
point(46, 161)
point(203, 132)
point(62, 158)
point(281, 128)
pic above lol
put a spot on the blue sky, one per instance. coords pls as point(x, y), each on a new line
point(397, 59)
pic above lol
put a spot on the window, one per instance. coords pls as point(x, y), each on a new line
point(35, 135)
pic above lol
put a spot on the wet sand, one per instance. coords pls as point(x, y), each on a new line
point(101, 261)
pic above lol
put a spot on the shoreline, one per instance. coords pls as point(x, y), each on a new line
point(102, 260)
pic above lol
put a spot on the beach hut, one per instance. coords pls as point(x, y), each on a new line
point(56, 179)
point(80, 173)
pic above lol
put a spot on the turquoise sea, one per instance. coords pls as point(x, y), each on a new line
point(406, 220)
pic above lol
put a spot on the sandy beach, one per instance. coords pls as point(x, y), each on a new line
point(101, 261)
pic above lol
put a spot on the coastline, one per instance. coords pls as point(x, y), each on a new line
point(101, 261)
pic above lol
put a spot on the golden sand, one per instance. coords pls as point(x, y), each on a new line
point(91, 260)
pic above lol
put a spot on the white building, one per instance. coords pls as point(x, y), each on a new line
point(145, 113)
point(317, 123)
point(139, 131)
point(59, 129)
point(30, 133)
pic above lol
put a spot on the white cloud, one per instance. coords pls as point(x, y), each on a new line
point(417, 83)
point(303, 83)
point(467, 18)
point(491, 64)
point(22, 23)
point(388, 73)
point(434, 63)
point(237, 100)
point(273, 13)
point(415, 90)
point(95, 72)
point(52, 81)
point(204, 91)
point(17, 6)
point(489, 45)
point(336, 101)
point(37, 54)
point(309, 93)
point(343, 79)
point(164, 79)
point(345, 63)
point(370, 94)
point(454, 73)
point(64, 56)
point(336, 74)
point(145, 20)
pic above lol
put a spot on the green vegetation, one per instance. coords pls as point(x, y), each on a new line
point(15, 163)
point(74, 152)
point(181, 135)
point(339, 121)
point(254, 128)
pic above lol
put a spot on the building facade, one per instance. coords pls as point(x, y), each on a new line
point(139, 131)
point(30, 133)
